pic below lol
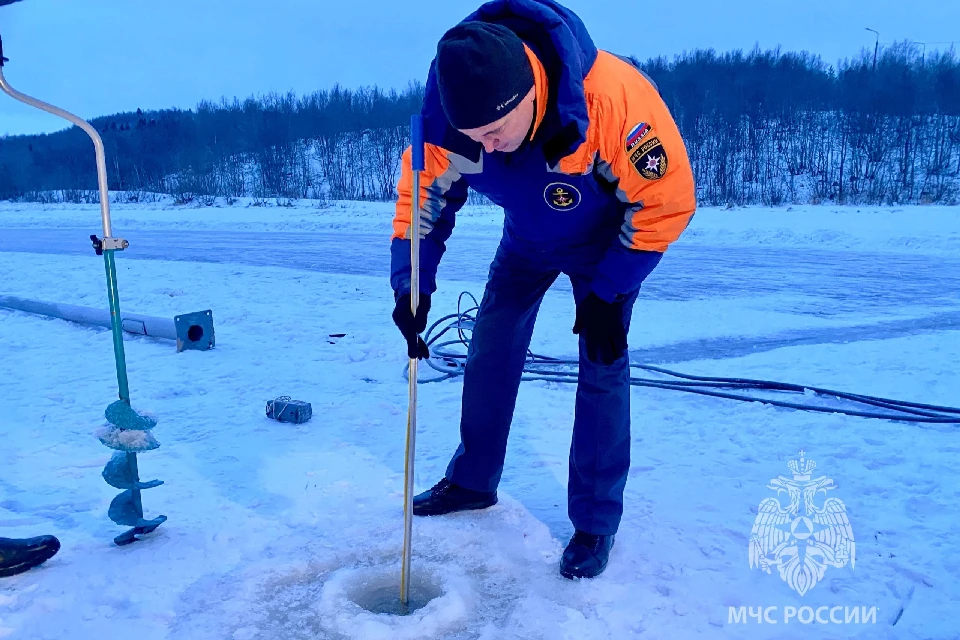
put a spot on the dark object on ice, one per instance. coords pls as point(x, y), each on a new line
point(283, 409)
point(446, 497)
point(17, 556)
point(586, 556)
point(4, 3)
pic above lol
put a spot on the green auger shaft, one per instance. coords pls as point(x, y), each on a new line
point(115, 322)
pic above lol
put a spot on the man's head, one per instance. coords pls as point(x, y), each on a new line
point(486, 84)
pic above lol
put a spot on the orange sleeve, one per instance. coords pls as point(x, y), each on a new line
point(641, 149)
point(642, 154)
point(442, 193)
point(436, 182)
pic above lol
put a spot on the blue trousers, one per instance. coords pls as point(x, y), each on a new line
point(600, 447)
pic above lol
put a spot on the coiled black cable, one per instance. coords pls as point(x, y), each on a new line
point(450, 364)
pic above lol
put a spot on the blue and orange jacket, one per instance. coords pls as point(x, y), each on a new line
point(604, 163)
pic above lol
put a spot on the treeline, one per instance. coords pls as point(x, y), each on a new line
point(341, 143)
point(763, 127)
point(772, 128)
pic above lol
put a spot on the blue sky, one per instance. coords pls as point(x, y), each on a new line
point(104, 56)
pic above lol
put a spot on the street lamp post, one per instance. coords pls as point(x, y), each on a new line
point(876, 46)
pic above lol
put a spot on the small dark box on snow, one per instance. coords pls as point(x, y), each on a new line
point(283, 409)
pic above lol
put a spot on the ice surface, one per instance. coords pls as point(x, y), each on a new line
point(276, 531)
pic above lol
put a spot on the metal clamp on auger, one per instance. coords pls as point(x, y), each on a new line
point(108, 244)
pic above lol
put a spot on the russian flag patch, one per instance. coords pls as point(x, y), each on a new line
point(637, 134)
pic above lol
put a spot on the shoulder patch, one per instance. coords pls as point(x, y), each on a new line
point(650, 159)
point(636, 134)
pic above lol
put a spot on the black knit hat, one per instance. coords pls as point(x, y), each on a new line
point(482, 72)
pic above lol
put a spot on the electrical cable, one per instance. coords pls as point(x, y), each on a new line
point(450, 364)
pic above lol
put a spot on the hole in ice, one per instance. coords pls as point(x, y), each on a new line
point(363, 603)
point(386, 599)
point(379, 592)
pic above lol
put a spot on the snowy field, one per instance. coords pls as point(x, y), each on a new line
point(275, 529)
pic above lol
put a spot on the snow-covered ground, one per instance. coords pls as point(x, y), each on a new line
point(908, 228)
point(274, 529)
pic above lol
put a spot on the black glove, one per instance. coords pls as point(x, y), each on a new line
point(411, 327)
point(603, 328)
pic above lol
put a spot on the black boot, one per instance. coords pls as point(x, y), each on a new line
point(446, 497)
point(586, 556)
point(17, 556)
